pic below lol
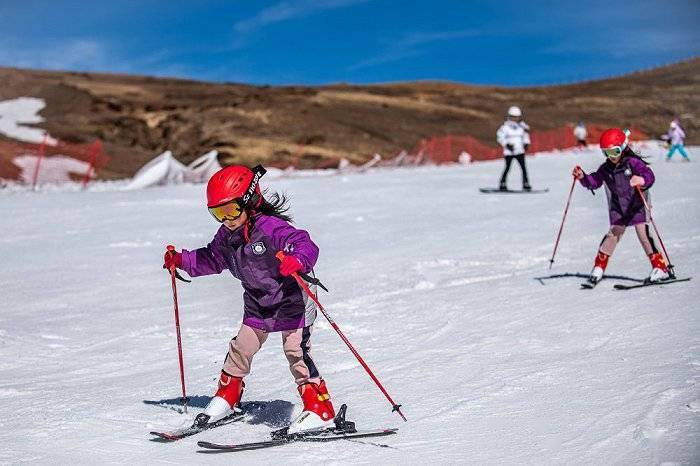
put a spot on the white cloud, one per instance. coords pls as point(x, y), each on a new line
point(286, 10)
point(409, 46)
point(82, 54)
point(420, 38)
point(637, 41)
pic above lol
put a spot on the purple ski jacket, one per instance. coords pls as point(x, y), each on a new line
point(272, 302)
point(625, 207)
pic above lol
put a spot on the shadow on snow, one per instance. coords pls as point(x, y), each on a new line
point(276, 413)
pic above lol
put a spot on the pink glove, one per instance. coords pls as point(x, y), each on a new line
point(290, 265)
point(172, 259)
point(636, 180)
point(578, 173)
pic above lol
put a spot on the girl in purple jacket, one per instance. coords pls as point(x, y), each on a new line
point(621, 173)
point(253, 231)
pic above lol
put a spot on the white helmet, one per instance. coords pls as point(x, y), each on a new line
point(515, 111)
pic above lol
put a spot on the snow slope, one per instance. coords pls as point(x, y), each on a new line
point(433, 282)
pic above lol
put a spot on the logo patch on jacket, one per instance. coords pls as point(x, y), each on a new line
point(259, 248)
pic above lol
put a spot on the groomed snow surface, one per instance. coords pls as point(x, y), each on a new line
point(431, 280)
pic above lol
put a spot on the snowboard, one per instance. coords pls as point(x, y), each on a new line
point(512, 191)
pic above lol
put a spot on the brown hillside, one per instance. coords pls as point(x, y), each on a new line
point(139, 117)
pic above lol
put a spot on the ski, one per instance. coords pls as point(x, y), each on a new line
point(585, 275)
point(177, 434)
point(620, 286)
point(342, 430)
point(512, 191)
point(588, 285)
point(324, 436)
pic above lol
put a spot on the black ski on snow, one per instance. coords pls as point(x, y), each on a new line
point(620, 286)
point(513, 191)
point(313, 437)
point(584, 275)
point(589, 285)
point(343, 430)
point(196, 428)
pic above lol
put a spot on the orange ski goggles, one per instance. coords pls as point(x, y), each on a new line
point(229, 211)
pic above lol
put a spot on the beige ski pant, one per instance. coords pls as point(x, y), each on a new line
point(613, 237)
point(295, 343)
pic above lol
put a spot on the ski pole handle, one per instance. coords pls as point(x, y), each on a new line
point(171, 248)
point(395, 406)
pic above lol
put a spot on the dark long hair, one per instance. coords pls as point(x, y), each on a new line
point(628, 152)
point(276, 205)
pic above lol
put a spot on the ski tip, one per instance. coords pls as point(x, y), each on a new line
point(163, 437)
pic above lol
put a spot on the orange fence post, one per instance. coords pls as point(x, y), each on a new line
point(93, 150)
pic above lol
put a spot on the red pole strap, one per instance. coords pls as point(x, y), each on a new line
point(395, 407)
point(561, 227)
point(658, 235)
point(177, 327)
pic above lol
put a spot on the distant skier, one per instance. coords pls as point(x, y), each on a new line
point(254, 229)
point(580, 134)
point(621, 173)
point(514, 136)
point(676, 137)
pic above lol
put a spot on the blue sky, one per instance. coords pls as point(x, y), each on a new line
point(357, 41)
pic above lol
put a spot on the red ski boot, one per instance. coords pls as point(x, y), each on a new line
point(224, 402)
point(318, 411)
point(601, 262)
point(659, 269)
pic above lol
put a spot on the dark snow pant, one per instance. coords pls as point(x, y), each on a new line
point(521, 160)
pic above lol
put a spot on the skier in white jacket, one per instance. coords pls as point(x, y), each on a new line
point(676, 137)
point(514, 136)
point(580, 134)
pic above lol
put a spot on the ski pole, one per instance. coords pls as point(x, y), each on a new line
point(395, 407)
point(561, 227)
point(658, 235)
point(171, 248)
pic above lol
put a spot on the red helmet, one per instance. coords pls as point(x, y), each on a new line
point(234, 182)
point(614, 137)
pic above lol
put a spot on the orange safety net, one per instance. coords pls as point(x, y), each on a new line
point(447, 149)
point(92, 154)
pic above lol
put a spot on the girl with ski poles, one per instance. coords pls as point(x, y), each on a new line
point(626, 178)
point(254, 229)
